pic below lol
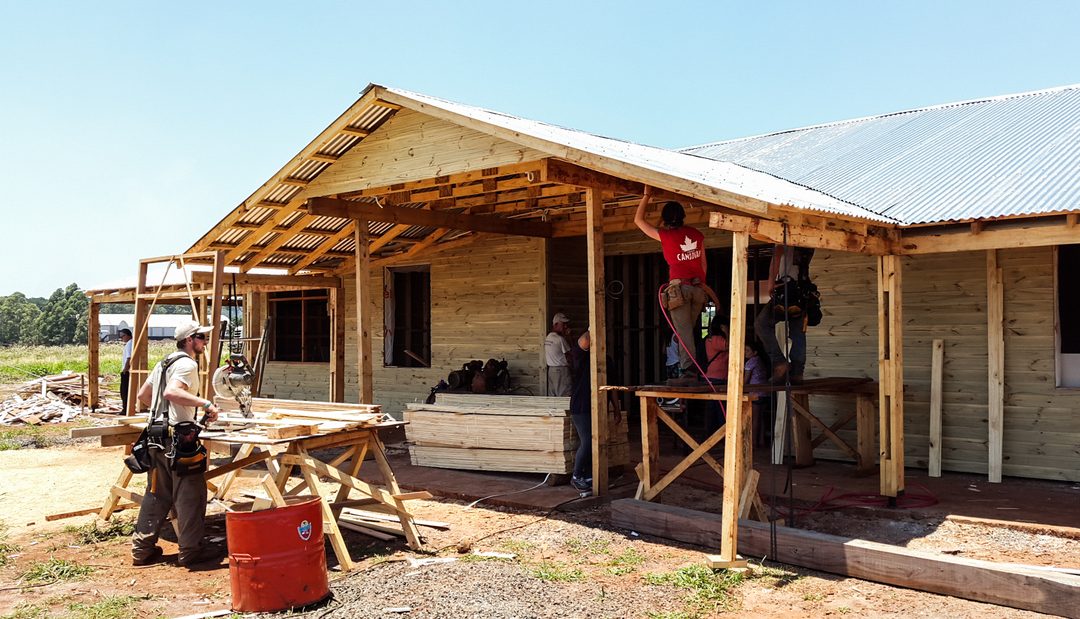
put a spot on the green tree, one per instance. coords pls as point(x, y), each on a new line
point(63, 319)
point(18, 320)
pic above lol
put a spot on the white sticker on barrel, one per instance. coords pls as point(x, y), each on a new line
point(304, 530)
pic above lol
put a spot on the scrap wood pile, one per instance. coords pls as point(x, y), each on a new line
point(49, 399)
point(271, 420)
point(501, 433)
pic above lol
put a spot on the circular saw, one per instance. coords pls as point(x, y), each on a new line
point(233, 380)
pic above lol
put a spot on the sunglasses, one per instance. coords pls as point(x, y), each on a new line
point(199, 336)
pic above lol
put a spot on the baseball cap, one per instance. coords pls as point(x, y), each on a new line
point(189, 329)
point(559, 317)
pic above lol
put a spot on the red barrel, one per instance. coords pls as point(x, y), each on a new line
point(277, 559)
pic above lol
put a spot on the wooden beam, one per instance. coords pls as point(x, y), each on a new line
point(320, 250)
point(270, 248)
point(251, 281)
point(214, 307)
point(140, 347)
point(594, 206)
point(995, 343)
point(876, 241)
point(1040, 232)
point(336, 305)
point(891, 375)
point(1032, 589)
point(93, 339)
point(364, 307)
point(937, 370)
point(736, 458)
point(565, 173)
point(335, 207)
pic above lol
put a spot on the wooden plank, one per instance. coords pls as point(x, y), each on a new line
point(801, 407)
point(237, 465)
point(365, 307)
point(254, 281)
point(594, 208)
point(309, 467)
point(891, 372)
point(875, 241)
point(336, 305)
point(1038, 232)
point(140, 347)
point(865, 423)
point(292, 431)
point(93, 367)
point(213, 340)
point(336, 207)
point(800, 431)
point(983, 581)
point(737, 458)
point(780, 430)
point(937, 368)
point(995, 342)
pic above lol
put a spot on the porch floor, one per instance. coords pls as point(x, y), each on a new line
point(1030, 503)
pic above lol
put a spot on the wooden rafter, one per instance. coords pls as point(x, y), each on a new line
point(336, 207)
point(319, 250)
point(339, 126)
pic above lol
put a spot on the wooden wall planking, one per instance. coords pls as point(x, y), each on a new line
point(409, 147)
point(485, 303)
point(945, 298)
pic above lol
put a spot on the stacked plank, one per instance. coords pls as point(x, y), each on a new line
point(270, 421)
point(500, 433)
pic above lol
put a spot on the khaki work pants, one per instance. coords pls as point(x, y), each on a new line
point(167, 492)
point(685, 318)
point(558, 380)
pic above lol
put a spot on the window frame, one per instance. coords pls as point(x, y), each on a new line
point(390, 315)
point(303, 296)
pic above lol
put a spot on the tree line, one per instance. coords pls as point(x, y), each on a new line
point(58, 320)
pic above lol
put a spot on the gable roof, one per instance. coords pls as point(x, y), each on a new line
point(709, 179)
point(1008, 156)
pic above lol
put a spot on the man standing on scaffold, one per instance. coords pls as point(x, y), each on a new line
point(683, 296)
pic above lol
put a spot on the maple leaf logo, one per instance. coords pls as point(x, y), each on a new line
point(688, 245)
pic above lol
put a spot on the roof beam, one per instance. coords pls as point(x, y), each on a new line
point(1040, 232)
point(876, 241)
point(323, 247)
point(336, 207)
point(257, 281)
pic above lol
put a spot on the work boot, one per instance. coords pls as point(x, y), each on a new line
point(150, 559)
point(203, 556)
point(581, 483)
point(779, 372)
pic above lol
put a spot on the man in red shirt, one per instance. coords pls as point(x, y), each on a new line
point(684, 251)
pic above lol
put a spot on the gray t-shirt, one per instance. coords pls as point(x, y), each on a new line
point(186, 370)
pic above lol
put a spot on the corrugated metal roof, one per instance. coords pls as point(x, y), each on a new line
point(1008, 156)
point(722, 175)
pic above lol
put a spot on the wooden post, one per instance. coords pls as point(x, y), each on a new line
point(363, 312)
point(864, 431)
point(139, 348)
point(93, 345)
point(995, 335)
point(735, 456)
point(802, 440)
point(650, 446)
point(594, 213)
point(937, 364)
point(336, 306)
point(545, 310)
point(891, 375)
point(254, 326)
point(214, 310)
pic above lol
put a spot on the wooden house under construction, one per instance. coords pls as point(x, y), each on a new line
point(415, 234)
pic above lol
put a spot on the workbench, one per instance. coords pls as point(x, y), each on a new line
point(281, 455)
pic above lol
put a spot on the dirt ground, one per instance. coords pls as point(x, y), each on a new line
point(563, 564)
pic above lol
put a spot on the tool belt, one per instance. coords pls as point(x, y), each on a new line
point(672, 297)
point(189, 456)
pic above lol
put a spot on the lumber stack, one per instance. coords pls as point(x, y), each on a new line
point(500, 433)
point(271, 420)
point(52, 399)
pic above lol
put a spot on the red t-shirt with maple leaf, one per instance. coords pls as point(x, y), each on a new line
point(683, 249)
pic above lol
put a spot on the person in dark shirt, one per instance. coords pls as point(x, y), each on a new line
point(581, 415)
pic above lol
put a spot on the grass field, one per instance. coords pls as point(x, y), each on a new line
point(22, 363)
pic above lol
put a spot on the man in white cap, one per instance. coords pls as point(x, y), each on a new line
point(172, 487)
point(557, 355)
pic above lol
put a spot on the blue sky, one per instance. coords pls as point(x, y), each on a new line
point(129, 128)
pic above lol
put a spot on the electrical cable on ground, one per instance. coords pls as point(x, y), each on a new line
point(480, 500)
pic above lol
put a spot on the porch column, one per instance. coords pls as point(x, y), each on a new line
point(995, 346)
point(139, 348)
point(363, 311)
point(215, 306)
point(337, 344)
point(93, 341)
point(891, 375)
point(737, 456)
point(594, 213)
